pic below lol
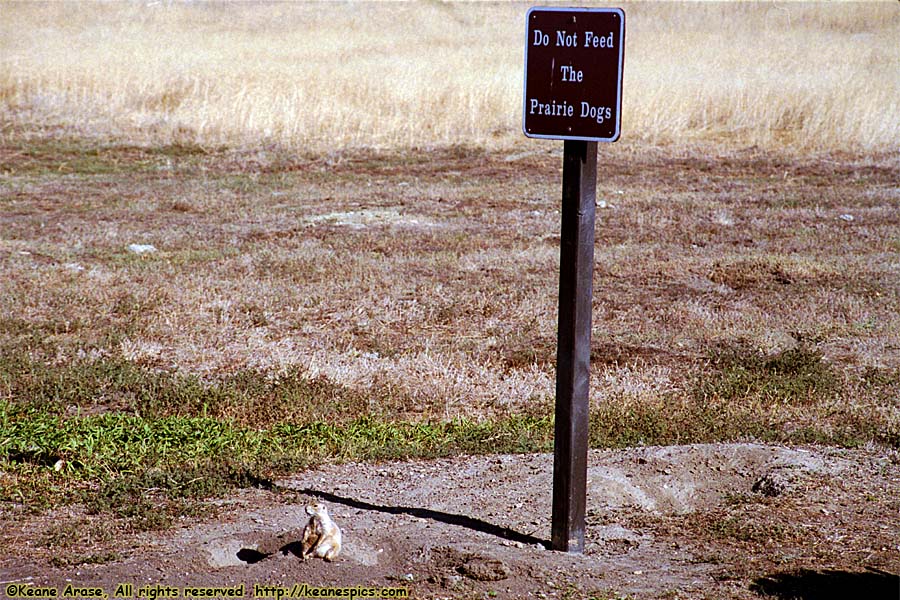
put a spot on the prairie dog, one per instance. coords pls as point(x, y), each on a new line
point(321, 537)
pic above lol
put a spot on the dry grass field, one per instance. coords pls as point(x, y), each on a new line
point(319, 76)
point(239, 239)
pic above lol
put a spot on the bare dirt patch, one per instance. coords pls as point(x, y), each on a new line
point(698, 521)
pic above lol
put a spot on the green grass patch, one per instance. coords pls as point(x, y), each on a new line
point(798, 375)
point(161, 459)
point(117, 444)
point(150, 471)
point(148, 446)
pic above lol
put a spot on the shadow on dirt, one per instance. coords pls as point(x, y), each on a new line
point(806, 584)
point(251, 556)
point(424, 513)
point(295, 548)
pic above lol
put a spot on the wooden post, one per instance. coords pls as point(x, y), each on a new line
point(573, 355)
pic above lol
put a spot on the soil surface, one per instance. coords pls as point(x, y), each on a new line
point(699, 521)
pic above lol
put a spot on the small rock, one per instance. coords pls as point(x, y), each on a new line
point(846, 217)
point(142, 248)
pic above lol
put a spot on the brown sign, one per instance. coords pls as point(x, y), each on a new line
point(573, 73)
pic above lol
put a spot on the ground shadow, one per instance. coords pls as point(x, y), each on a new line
point(295, 548)
point(251, 556)
point(805, 584)
point(425, 513)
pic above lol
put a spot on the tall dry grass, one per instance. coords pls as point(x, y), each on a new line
point(315, 76)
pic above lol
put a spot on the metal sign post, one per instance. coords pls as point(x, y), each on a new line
point(573, 91)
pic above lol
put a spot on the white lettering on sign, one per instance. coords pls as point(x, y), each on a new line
point(595, 41)
point(570, 74)
point(573, 73)
point(565, 40)
point(551, 109)
point(598, 113)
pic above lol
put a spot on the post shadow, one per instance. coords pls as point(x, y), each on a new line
point(426, 513)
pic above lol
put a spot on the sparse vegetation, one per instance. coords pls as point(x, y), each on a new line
point(411, 331)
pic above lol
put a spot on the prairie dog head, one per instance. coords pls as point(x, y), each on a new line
point(316, 509)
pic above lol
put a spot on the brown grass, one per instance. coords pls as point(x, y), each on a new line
point(432, 278)
point(343, 193)
point(318, 76)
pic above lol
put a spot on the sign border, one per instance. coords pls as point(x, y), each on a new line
point(618, 131)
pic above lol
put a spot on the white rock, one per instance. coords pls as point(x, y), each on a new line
point(142, 248)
